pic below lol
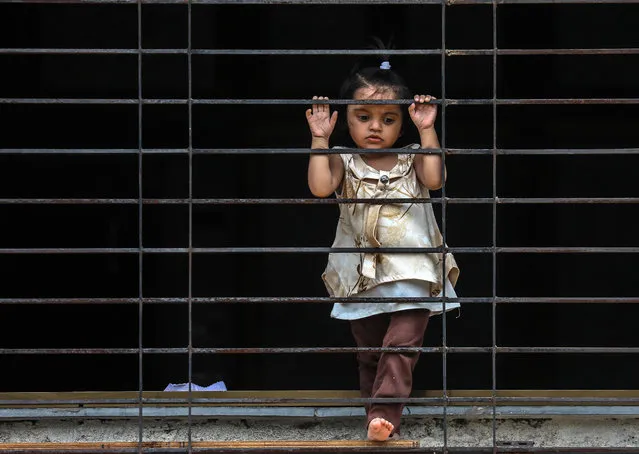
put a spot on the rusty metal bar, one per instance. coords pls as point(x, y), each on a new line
point(326, 2)
point(90, 51)
point(306, 151)
point(255, 101)
point(323, 300)
point(447, 151)
point(140, 352)
point(327, 250)
point(190, 228)
point(581, 51)
point(539, 2)
point(241, 2)
point(543, 101)
point(493, 314)
point(289, 350)
point(327, 201)
point(356, 52)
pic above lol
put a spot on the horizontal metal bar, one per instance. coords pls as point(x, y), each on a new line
point(219, 101)
point(542, 101)
point(83, 51)
point(550, 151)
point(81, 151)
point(381, 52)
point(564, 300)
point(98, 51)
point(539, 2)
point(228, 101)
point(294, 151)
point(297, 52)
point(322, 300)
point(219, 350)
point(326, 2)
point(576, 51)
point(244, 2)
point(448, 151)
point(291, 350)
point(327, 250)
point(328, 201)
point(81, 101)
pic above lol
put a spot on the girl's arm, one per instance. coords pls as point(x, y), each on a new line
point(427, 166)
point(325, 171)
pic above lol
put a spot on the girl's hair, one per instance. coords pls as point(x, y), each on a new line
point(375, 77)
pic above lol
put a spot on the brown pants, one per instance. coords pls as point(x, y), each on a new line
point(388, 374)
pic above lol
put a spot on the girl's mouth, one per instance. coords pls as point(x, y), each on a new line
point(374, 139)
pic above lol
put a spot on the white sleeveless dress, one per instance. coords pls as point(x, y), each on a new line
point(407, 224)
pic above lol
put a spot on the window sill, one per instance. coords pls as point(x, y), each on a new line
point(464, 404)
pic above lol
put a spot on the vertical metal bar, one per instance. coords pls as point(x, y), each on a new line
point(190, 254)
point(494, 251)
point(140, 239)
point(443, 201)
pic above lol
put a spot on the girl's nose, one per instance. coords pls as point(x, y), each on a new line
point(376, 125)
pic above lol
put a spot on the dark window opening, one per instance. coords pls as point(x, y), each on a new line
point(165, 176)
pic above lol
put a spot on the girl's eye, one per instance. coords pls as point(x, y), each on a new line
point(363, 118)
point(389, 121)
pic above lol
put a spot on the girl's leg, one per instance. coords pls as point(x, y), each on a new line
point(394, 376)
point(369, 332)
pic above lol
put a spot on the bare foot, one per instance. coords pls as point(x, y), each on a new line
point(379, 429)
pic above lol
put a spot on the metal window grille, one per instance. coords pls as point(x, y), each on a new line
point(493, 399)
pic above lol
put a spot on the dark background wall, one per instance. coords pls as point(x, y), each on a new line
point(273, 175)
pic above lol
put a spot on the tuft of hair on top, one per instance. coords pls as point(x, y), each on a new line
point(367, 74)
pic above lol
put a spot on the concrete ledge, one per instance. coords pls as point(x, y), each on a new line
point(596, 434)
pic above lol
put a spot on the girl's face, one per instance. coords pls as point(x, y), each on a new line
point(374, 125)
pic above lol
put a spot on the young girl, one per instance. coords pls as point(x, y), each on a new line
point(380, 175)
